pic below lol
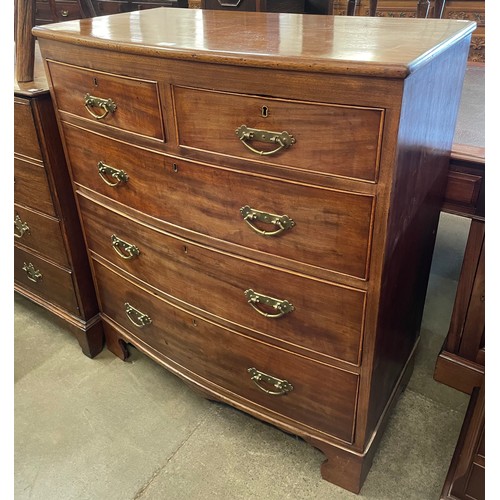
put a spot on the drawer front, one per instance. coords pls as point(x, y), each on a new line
point(45, 279)
point(331, 228)
point(67, 11)
point(216, 282)
point(25, 136)
point(134, 104)
point(110, 7)
point(323, 397)
point(31, 187)
point(329, 139)
point(40, 233)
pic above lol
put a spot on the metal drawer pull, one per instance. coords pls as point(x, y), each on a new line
point(123, 249)
point(33, 274)
point(20, 227)
point(64, 13)
point(282, 139)
point(282, 221)
point(141, 319)
point(98, 102)
point(282, 386)
point(281, 306)
point(107, 171)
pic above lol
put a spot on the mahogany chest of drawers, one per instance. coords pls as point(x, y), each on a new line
point(51, 263)
point(260, 206)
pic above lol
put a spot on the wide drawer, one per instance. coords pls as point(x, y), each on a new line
point(329, 229)
point(45, 279)
point(40, 233)
point(31, 187)
point(25, 135)
point(329, 139)
point(307, 314)
point(113, 101)
point(323, 398)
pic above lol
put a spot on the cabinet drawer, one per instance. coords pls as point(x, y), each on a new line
point(31, 187)
point(331, 228)
point(329, 139)
point(67, 11)
point(134, 104)
point(25, 135)
point(45, 279)
point(323, 397)
point(40, 233)
point(188, 268)
point(111, 7)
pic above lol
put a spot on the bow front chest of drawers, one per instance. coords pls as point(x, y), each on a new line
point(260, 204)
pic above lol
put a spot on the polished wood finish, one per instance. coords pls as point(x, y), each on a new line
point(473, 10)
point(53, 241)
point(355, 265)
point(466, 475)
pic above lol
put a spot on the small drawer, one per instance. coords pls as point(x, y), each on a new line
point(320, 227)
point(25, 135)
point(322, 397)
point(111, 7)
point(113, 101)
point(297, 319)
point(45, 279)
point(40, 233)
point(31, 187)
point(323, 138)
point(67, 11)
point(463, 189)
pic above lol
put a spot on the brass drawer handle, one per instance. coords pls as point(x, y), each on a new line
point(281, 306)
point(136, 317)
point(33, 274)
point(105, 171)
point(64, 13)
point(282, 139)
point(282, 386)
point(98, 102)
point(125, 250)
point(282, 221)
point(20, 227)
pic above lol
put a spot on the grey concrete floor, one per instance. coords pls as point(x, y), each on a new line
point(105, 429)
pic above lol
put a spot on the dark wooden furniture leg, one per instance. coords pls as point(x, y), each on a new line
point(439, 8)
point(373, 8)
point(423, 8)
point(352, 6)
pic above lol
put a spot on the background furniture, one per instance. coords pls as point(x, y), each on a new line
point(50, 261)
point(466, 477)
point(233, 233)
point(294, 6)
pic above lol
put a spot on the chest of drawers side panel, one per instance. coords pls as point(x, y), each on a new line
point(427, 123)
point(65, 206)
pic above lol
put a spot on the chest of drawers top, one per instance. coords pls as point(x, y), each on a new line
point(344, 45)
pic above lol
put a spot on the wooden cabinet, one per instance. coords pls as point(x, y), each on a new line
point(106, 7)
point(54, 11)
point(261, 215)
point(50, 260)
point(296, 6)
point(466, 475)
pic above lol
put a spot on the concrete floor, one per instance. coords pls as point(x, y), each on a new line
point(103, 429)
